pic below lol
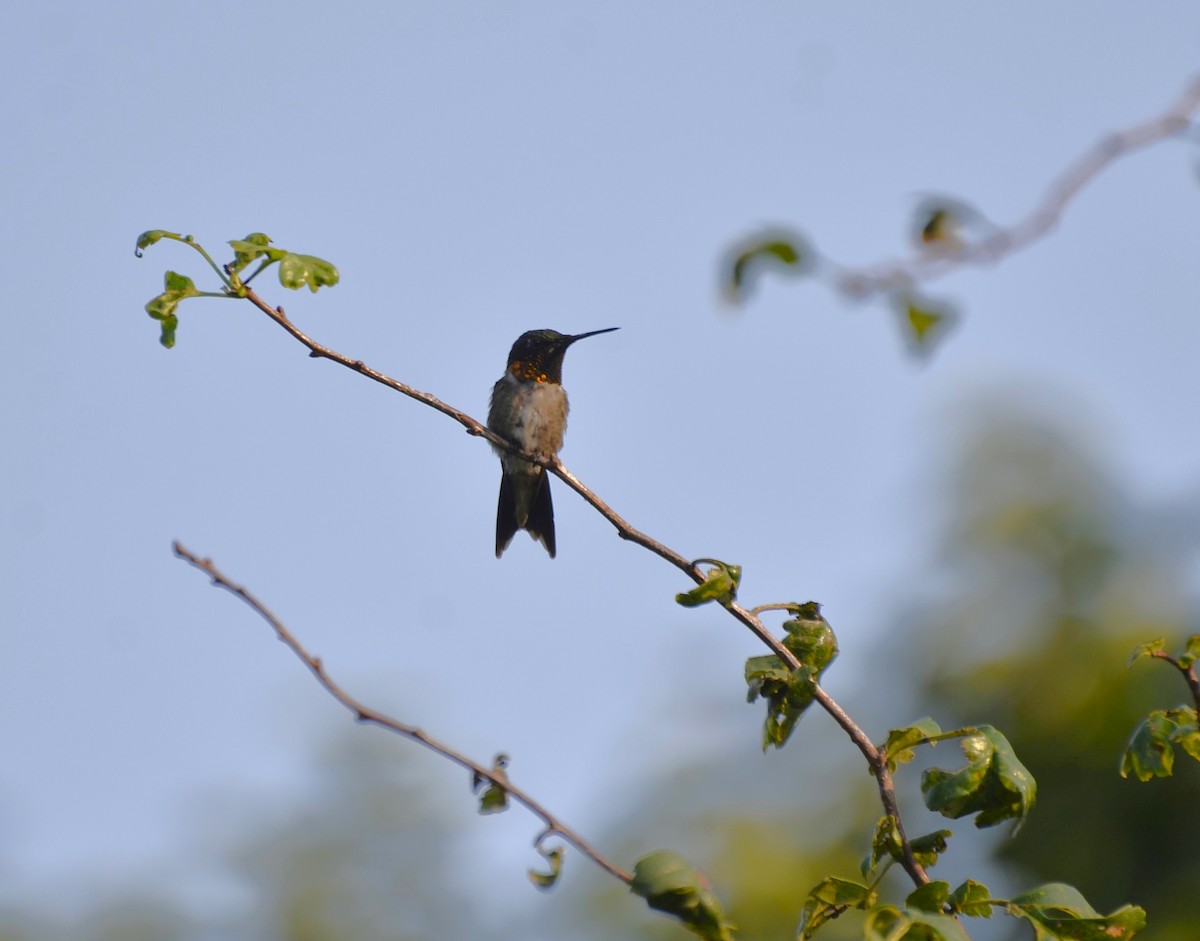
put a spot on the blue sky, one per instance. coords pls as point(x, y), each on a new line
point(476, 170)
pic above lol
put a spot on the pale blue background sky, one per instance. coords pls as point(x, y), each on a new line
point(476, 170)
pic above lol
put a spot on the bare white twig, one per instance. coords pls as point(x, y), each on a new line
point(901, 274)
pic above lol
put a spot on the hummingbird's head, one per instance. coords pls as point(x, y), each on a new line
point(537, 356)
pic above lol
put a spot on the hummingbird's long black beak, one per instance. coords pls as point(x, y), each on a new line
point(590, 333)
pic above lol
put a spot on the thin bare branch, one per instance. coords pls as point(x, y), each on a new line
point(997, 243)
point(364, 713)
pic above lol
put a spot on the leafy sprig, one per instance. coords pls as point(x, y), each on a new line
point(295, 271)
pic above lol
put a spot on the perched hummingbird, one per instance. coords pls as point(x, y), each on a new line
point(529, 408)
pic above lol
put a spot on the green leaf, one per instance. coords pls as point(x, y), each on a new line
point(930, 897)
point(255, 245)
point(929, 846)
point(720, 584)
point(828, 899)
point(168, 326)
point(885, 844)
point(786, 251)
point(546, 880)
point(994, 784)
point(1192, 653)
point(972, 899)
point(669, 884)
point(1152, 648)
point(900, 746)
point(1059, 911)
point(148, 238)
point(295, 271)
point(925, 321)
point(494, 798)
point(891, 924)
point(938, 225)
point(162, 308)
point(787, 695)
point(1150, 752)
point(1189, 740)
point(810, 638)
point(179, 283)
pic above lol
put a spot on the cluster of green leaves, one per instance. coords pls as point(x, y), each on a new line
point(1151, 749)
point(993, 786)
point(1057, 912)
point(295, 271)
point(938, 230)
point(789, 693)
point(934, 912)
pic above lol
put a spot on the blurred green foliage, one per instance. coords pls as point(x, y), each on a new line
point(1057, 576)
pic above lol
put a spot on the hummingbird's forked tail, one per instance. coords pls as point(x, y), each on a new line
point(538, 522)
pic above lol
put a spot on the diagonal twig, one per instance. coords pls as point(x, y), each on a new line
point(900, 274)
point(364, 713)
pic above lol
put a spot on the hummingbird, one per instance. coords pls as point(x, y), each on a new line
point(529, 408)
